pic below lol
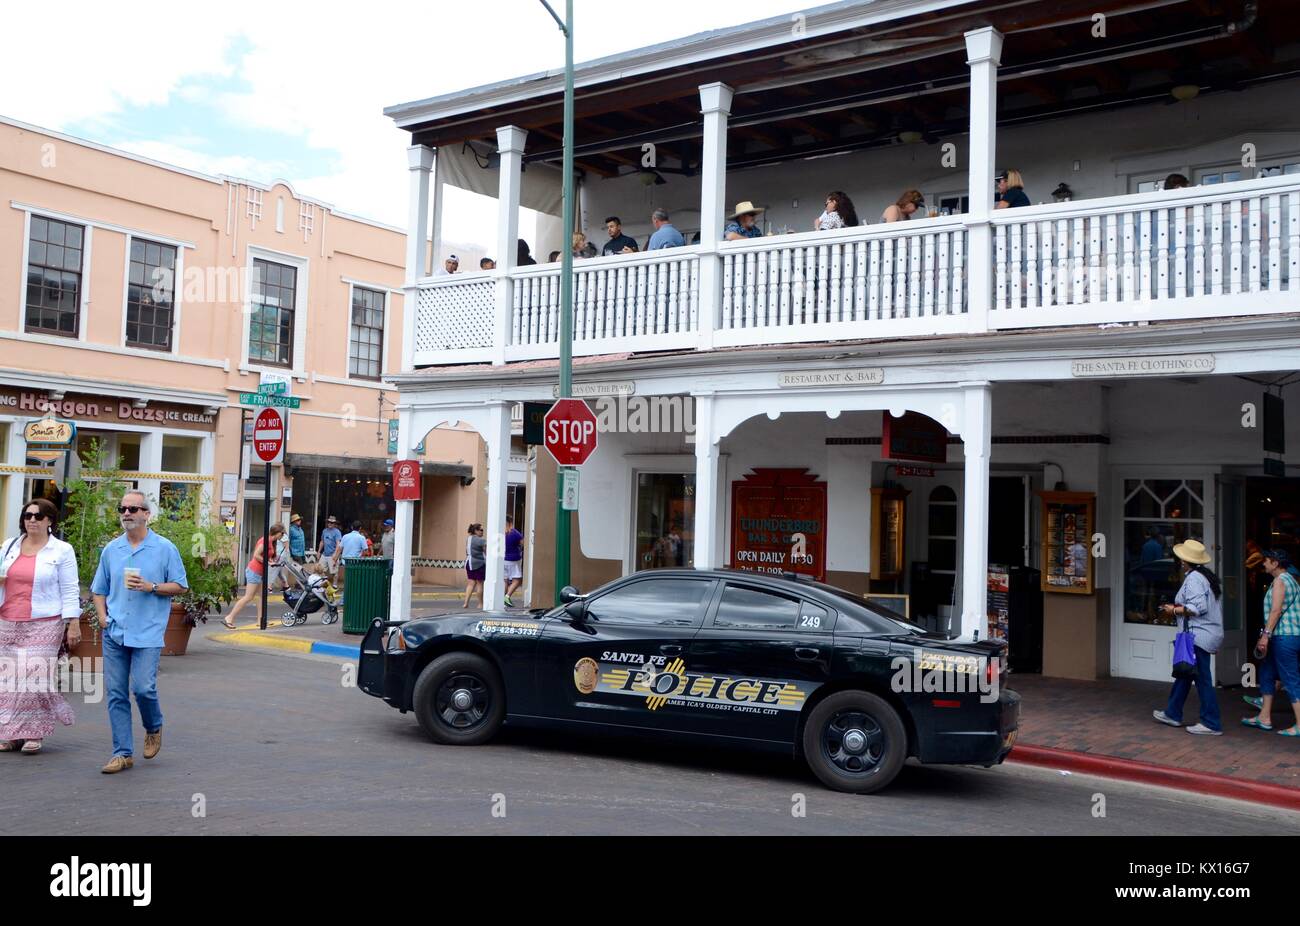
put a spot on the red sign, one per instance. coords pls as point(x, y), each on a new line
point(406, 481)
point(913, 437)
point(268, 435)
point(778, 523)
point(569, 432)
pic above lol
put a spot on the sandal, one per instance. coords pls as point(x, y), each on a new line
point(31, 747)
point(9, 745)
point(1256, 723)
point(1289, 731)
point(1256, 702)
point(229, 625)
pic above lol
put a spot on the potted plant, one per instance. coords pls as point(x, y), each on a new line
point(90, 521)
point(205, 548)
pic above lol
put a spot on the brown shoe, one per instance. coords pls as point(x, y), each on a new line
point(117, 764)
point(152, 743)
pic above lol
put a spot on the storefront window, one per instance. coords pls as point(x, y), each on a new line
point(128, 451)
point(1158, 513)
point(665, 520)
point(180, 454)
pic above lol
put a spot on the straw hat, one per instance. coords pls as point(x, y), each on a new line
point(1192, 551)
point(295, 517)
point(745, 208)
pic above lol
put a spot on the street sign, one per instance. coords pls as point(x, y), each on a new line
point(279, 387)
point(406, 481)
point(569, 492)
point(260, 400)
point(570, 432)
point(268, 436)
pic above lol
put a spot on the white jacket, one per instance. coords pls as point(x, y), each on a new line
point(54, 586)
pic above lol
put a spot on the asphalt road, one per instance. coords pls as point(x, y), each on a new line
point(275, 744)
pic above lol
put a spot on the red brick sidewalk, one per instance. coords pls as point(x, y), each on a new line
point(1112, 717)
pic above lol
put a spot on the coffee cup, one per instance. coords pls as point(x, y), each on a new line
point(127, 572)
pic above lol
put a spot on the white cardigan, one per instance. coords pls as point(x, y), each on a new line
point(54, 586)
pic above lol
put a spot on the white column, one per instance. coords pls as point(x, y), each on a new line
point(399, 607)
point(15, 483)
point(419, 160)
point(983, 55)
point(976, 442)
point(510, 146)
point(715, 105)
point(498, 450)
point(435, 260)
point(151, 462)
point(708, 549)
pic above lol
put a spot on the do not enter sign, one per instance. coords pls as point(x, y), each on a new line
point(569, 432)
point(268, 435)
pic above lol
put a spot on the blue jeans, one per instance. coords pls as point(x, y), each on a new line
point(131, 670)
point(1281, 664)
point(1204, 691)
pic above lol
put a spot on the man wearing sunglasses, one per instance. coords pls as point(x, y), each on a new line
point(138, 574)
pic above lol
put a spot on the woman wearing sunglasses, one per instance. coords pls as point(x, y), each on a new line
point(38, 606)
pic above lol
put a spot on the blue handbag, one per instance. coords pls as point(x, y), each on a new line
point(1185, 653)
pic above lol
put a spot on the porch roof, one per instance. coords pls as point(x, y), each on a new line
point(858, 74)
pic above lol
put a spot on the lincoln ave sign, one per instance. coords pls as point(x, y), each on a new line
point(1144, 365)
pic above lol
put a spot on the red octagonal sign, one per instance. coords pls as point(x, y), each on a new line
point(569, 432)
point(268, 435)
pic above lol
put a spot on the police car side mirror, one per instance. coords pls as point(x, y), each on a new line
point(576, 610)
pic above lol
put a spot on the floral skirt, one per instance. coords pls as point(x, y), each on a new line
point(29, 697)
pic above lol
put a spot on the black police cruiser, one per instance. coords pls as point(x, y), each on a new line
point(718, 655)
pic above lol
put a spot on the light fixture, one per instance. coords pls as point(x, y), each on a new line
point(1062, 193)
point(211, 410)
point(140, 403)
point(1184, 92)
point(56, 395)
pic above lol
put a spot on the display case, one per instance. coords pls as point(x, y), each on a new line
point(1068, 526)
point(888, 524)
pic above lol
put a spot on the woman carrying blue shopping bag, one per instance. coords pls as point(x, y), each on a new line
point(1197, 604)
point(1279, 645)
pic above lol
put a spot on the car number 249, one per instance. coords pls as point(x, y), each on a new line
point(809, 620)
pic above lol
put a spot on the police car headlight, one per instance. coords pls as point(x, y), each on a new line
point(396, 643)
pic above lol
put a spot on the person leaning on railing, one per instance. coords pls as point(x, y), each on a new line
point(905, 207)
point(839, 213)
point(1011, 190)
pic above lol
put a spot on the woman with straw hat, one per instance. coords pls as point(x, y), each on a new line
point(1197, 602)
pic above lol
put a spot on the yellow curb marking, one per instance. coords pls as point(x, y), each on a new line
point(241, 638)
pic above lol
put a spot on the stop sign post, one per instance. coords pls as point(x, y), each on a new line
point(269, 429)
point(569, 432)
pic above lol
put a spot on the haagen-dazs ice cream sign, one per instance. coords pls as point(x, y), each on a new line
point(89, 408)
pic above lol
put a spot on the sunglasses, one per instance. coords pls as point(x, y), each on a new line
point(33, 516)
point(133, 509)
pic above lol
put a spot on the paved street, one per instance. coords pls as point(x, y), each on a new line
point(276, 745)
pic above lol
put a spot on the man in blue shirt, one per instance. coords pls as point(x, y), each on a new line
point(329, 541)
point(351, 546)
point(665, 236)
point(297, 539)
point(743, 223)
point(138, 574)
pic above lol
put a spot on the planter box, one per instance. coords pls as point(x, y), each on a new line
point(91, 645)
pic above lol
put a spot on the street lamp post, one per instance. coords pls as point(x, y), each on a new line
point(563, 525)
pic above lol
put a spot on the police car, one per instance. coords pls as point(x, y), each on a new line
point(723, 656)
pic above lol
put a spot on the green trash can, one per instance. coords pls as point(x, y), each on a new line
point(367, 584)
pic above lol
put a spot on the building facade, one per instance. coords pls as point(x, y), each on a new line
point(996, 420)
point(140, 300)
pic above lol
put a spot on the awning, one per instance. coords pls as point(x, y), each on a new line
point(372, 465)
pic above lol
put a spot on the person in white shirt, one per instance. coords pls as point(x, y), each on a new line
point(449, 266)
point(39, 606)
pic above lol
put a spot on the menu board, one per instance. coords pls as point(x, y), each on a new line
point(999, 601)
point(1067, 541)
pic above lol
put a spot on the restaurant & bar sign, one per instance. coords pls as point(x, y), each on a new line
point(778, 522)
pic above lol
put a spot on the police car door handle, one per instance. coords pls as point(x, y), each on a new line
point(671, 649)
point(807, 653)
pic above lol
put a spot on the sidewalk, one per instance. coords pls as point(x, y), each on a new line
point(1112, 718)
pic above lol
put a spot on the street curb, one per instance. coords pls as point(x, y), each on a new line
point(1256, 792)
point(301, 645)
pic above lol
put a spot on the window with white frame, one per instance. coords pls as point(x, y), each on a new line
point(54, 257)
point(366, 342)
point(150, 295)
point(1158, 513)
point(271, 319)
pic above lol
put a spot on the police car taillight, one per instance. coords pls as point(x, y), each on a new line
point(992, 670)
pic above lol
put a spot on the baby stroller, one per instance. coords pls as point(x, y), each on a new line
point(311, 594)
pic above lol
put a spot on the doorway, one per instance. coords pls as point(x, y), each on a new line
point(665, 520)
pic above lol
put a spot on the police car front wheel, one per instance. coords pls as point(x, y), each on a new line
point(459, 700)
point(855, 741)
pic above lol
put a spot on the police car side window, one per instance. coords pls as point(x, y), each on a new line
point(674, 602)
point(746, 608)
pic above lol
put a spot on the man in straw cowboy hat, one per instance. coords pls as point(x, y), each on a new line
point(1198, 601)
point(743, 223)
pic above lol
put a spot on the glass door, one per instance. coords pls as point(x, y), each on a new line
point(665, 521)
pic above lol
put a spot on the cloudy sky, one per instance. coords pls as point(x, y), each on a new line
point(296, 90)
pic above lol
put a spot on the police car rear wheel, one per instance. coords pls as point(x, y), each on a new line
point(854, 741)
point(459, 700)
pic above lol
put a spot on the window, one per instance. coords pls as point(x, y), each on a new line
point(751, 609)
point(1216, 175)
point(653, 601)
point(1275, 170)
point(1158, 513)
point(366, 344)
point(54, 251)
point(180, 454)
point(150, 292)
point(270, 329)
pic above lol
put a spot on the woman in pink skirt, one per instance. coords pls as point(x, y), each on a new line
point(38, 606)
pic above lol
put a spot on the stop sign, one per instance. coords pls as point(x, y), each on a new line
point(569, 432)
point(268, 435)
